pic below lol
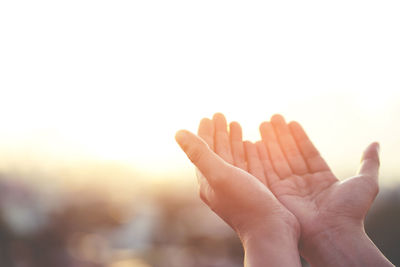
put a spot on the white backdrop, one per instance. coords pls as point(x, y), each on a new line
point(115, 79)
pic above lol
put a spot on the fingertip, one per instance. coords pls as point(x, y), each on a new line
point(294, 125)
point(234, 124)
point(377, 146)
point(206, 126)
point(277, 118)
point(370, 161)
point(374, 146)
point(205, 120)
point(219, 116)
point(372, 152)
point(267, 131)
point(220, 124)
point(181, 136)
point(235, 131)
point(297, 130)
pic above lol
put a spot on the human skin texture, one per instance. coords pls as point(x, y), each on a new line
point(269, 232)
point(330, 212)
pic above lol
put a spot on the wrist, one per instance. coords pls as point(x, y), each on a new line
point(283, 226)
point(342, 246)
point(287, 231)
point(319, 245)
point(268, 249)
point(271, 246)
point(271, 234)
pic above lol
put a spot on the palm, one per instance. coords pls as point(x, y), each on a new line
point(287, 162)
point(326, 203)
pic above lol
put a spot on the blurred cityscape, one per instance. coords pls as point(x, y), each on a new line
point(144, 223)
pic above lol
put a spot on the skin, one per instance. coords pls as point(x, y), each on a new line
point(330, 212)
point(240, 199)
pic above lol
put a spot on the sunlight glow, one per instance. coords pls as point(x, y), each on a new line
point(115, 81)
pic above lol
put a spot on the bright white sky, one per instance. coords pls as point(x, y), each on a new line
point(114, 80)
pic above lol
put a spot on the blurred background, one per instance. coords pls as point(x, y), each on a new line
point(92, 93)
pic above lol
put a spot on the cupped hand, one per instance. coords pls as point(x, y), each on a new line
point(235, 195)
point(288, 163)
point(301, 179)
point(330, 212)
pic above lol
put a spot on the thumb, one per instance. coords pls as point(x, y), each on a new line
point(370, 162)
point(210, 164)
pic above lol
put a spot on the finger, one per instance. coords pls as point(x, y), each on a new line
point(221, 139)
point(206, 131)
point(209, 164)
point(310, 153)
point(370, 162)
point(254, 164)
point(270, 176)
point(288, 145)
point(235, 134)
point(279, 162)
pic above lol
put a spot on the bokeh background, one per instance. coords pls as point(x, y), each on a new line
point(92, 93)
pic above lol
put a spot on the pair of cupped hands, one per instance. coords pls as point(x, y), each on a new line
point(281, 197)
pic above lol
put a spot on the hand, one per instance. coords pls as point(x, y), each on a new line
point(329, 211)
point(304, 183)
point(268, 231)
